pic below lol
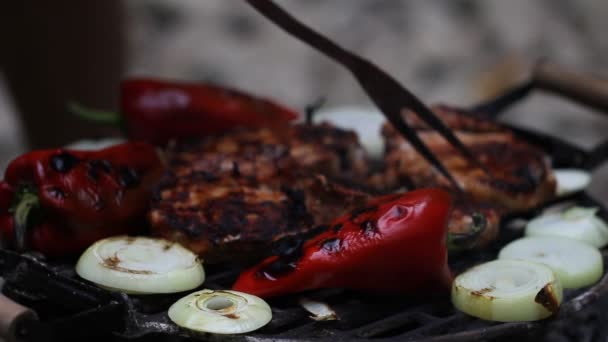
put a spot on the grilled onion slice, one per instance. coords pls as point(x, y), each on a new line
point(140, 265)
point(220, 312)
point(576, 223)
point(571, 181)
point(508, 291)
point(575, 263)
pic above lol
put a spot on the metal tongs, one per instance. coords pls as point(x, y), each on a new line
point(587, 90)
point(390, 97)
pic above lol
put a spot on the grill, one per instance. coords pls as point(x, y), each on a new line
point(72, 309)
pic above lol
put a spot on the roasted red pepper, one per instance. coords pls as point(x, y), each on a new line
point(396, 244)
point(59, 201)
point(159, 110)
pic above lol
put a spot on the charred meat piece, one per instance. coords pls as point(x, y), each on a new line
point(266, 154)
point(231, 196)
point(522, 178)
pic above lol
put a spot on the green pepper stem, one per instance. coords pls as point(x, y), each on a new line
point(457, 242)
point(21, 215)
point(95, 115)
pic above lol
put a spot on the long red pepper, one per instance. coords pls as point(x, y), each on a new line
point(59, 201)
point(395, 244)
point(157, 111)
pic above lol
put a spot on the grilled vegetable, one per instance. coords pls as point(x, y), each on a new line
point(220, 312)
point(576, 223)
point(396, 243)
point(60, 201)
point(575, 263)
point(320, 311)
point(508, 291)
point(140, 265)
point(571, 180)
point(157, 111)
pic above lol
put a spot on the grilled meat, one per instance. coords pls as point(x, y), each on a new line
point(230, 197)
point(521, 178)
point(233, 195)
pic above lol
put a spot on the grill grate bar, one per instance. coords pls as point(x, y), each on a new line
point(392, 323)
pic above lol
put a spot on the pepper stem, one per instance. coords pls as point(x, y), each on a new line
point(457, 242)
point(21, 215)
point(94, 114)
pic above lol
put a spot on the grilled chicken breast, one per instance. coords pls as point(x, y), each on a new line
point(229, 197)
point(521, 177)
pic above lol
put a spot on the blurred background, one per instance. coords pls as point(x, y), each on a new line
point(457, 52)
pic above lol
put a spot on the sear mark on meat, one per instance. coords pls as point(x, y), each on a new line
point(231, 197)
point(522, 178)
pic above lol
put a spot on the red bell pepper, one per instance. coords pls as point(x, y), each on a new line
point(159, 110)
point(396, 244)
point(58, 201)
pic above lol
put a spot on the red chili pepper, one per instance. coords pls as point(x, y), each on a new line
point(396, 244)
point(68, 199)
point(157, 110)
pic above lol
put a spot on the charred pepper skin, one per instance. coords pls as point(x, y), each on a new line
point(78, 197)
point(158, 110)
point(396, 244)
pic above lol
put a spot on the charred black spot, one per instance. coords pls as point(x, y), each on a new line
point(345, 161)
point(369, 226)
point(527, 175)
point(547, 298)
point(191, 227)
point(296, 205)
point(205, 176)
point(93, 174)
point(232, 219)
point(96, 166)
point(288, 248)
point(482, 292)
point(320, 228)
point(337, 227)
point(168, 180)
point(236, 172)
point(127, 177)
point(355, 213)
point(56, 193)
point(63, 162)
point(332, 245)
point(102, 165)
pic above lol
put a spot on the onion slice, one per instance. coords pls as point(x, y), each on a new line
point(508, 291)
point(365, 121)
point(140, 265)
point(220, 312)
point(576, 223)
point(571, 180)
point(575, 263)
point(320, 311)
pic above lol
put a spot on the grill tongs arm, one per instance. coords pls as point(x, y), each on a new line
point(390, 97)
